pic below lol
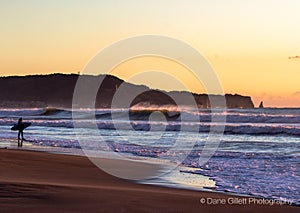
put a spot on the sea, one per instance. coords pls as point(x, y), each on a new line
point(258, 153)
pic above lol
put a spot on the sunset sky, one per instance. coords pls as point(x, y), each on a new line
point(252, 45)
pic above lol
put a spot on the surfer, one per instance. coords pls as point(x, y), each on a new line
point(20, 133)
point(20, 126)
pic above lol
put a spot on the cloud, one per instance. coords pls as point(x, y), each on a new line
point(294, 57)
point(296, 93)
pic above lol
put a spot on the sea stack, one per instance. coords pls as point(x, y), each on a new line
point(261, 105)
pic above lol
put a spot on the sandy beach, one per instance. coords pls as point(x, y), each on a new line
point(33, 181)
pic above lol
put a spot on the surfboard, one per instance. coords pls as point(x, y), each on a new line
point(24, 126)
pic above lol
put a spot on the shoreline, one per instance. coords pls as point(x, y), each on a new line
point(160, 181)
point(165, 180)
point(32, 180)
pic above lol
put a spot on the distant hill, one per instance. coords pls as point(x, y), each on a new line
point(56, 90)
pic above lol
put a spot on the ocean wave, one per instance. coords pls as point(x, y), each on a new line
point(247, 129)
point(135, 149)
point(54, 111)
point(230, 128)
point(14, 113)
point(266, 116)
point(206, 115)
point(258, 174)
point(250, 122)
point(11, 113)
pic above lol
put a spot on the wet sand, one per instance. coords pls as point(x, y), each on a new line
point(33, 181)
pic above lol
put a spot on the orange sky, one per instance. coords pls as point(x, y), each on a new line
point(248, 43)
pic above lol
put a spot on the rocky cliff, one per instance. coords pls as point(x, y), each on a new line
point(56, 90)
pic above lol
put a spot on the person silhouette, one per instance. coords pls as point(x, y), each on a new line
point(20, 133)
